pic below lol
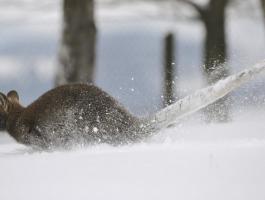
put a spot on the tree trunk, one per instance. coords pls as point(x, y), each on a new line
point(77, 52)
point(263, 8)
point(169, 63)
point(215, 56)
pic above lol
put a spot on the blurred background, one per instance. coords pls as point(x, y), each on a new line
point(145, 53)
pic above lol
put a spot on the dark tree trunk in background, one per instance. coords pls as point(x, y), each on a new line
point(213, 18)
point(169, 65)
point(215, 69)
point(263, 8)
point(77, 53)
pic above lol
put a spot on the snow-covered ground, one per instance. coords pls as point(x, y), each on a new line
point(190, 161)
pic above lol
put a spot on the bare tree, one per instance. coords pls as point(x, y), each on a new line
point(213, 18)
point(77, 52)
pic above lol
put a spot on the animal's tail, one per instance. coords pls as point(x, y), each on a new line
point(202, 98)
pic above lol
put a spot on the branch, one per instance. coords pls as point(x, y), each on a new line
point(197, 7)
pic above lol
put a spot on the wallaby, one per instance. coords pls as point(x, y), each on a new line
point(81, 114)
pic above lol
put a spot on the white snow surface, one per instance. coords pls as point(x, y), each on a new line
point(190, 161)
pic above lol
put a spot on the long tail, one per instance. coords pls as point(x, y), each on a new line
point(202, 98)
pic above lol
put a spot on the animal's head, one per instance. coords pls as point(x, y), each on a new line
point(6, 103)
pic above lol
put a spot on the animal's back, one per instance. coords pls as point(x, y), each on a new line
point(79, 113)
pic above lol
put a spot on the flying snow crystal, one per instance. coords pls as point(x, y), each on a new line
point(173, 63)
point(204, 97)
point(38, 128)
point(132, 78)
point(80, 117)
point(98, 119)
point(95, 129)
point(86, 129)
point(132, 89)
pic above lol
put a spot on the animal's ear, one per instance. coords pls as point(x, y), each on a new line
point(3, 102)
point(12, 96)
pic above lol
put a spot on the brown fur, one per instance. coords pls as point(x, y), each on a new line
point(69, 115)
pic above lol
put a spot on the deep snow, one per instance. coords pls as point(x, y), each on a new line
point(189, 161)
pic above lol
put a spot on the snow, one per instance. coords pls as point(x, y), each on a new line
point(190, 161)
point(95, 129)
